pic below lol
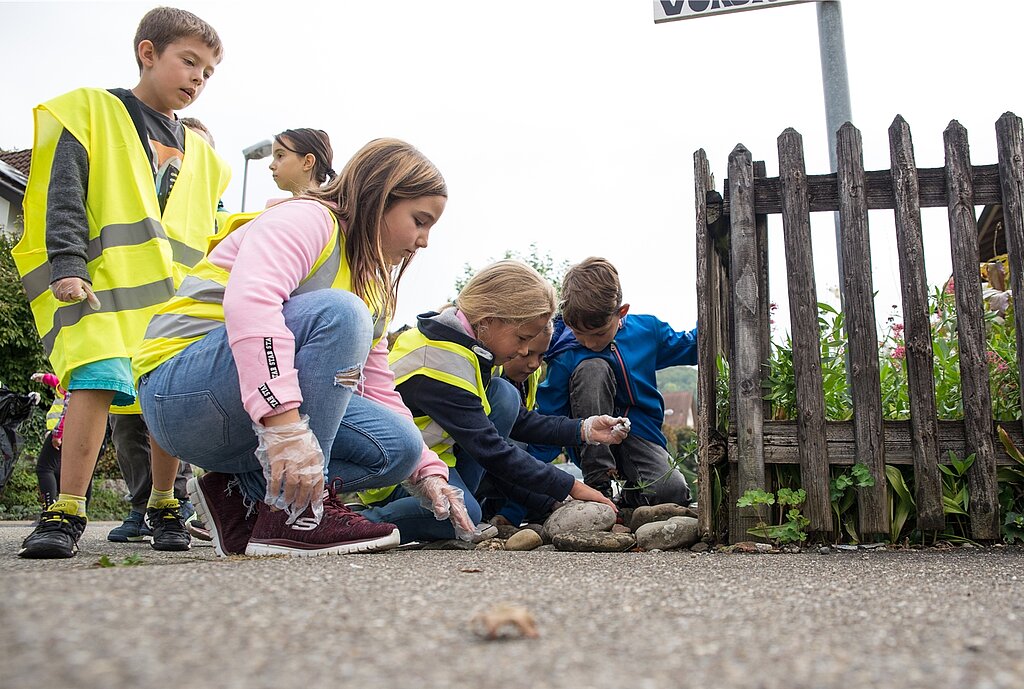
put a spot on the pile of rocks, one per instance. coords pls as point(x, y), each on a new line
point(592, 527)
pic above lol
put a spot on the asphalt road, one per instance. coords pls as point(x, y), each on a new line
point(907, 619)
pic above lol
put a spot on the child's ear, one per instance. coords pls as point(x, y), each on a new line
point(623, 310)
point(146, 52)
point(309, 161)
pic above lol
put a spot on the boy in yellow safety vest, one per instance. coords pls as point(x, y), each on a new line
point(107, 242)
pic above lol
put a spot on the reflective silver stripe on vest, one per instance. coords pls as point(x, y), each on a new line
point(37, 281)
point(436, 358)
point(324, 276)
point(174, 325)
point(184, 254)
point(433, 435)
point(112, 300)
point(379, 323)
point(56, 414)
point(206, 291)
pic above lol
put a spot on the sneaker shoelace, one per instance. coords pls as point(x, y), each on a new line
point(337, 508)
point(56, 521)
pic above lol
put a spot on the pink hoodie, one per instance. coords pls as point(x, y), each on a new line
point(287, 239)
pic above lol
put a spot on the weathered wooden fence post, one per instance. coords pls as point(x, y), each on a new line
point(744, 271)
point(1010, 144)
point(860, 329)
point(708, 311)
point(963, 237)
point(917, 330)
point(803, 306)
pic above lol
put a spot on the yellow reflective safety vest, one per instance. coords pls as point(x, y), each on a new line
point(197, 309)
point(56, 409)
point(136, 254)
point(416, 355)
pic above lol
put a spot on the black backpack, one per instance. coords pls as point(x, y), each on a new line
point(14, 409)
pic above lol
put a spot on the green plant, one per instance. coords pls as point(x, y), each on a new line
point(1011, 490)
point(901, 503)
point(132, 560)
point(21, 353)
point(843, 496)
point(791, 527)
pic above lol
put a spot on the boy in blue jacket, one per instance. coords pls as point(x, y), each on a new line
point(602, 362)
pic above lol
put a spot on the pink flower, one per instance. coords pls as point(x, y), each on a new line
point(949, 287)
point(897, 330)
point(899, 353)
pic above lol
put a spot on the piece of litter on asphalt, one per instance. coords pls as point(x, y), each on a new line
point(354, 566)
point(504, 621)
point(470, 570)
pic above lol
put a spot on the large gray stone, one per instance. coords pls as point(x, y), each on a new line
point(526, 539)
point(658, 513)
point(678, 532)
point(579, 515)
point(594, 541)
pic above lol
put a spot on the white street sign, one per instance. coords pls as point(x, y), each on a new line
point(671, 10)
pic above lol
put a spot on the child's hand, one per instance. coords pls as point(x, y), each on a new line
point(37, 377)
point(446, 502)
point(72, 290)
point(609, 430)
point(581, 491)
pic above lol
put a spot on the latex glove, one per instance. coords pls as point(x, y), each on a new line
point(34, 397)
point(74, 290)
point(293, 465)
point(37, 377)
point(581, 491)
point(446, 502)
point(604, 429)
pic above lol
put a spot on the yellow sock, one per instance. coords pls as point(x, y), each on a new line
point(69, 504)
point(160, 498)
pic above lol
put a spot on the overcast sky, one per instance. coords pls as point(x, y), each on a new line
point(568, 124)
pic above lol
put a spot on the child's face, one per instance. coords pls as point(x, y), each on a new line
point(509, 340)
point(176, 77)
point(596, 339)
point(407, 226)
point(292, 173)
point(522, 367)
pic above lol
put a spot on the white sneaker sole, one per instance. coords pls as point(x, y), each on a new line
point(372, 546)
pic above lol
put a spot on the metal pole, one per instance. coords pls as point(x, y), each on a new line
point(245, 179)
point(837, 97)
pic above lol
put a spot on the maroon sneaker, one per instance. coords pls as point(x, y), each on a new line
point(221, 507)
point(340, 531)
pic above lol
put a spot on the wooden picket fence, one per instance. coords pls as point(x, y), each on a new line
point(733, 320)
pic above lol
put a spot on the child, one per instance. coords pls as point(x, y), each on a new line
point(301, 160)
point(443, 371)
point(94, 272)
point(48, 460)
point(601, 362)
point(249, 372)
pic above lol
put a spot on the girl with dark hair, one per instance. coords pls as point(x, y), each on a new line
point(301, 160)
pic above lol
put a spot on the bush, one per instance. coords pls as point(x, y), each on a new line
point(21, 353)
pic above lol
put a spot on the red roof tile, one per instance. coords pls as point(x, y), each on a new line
point(19, 160)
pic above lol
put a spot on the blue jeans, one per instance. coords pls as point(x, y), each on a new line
point(193, 404)
point(415, 523)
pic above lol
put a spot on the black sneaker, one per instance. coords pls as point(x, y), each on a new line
point(168, 525)
point(56, 536)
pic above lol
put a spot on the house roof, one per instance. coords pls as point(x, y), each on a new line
point(19, 160)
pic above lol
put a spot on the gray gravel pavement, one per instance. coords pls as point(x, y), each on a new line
point(402, 619)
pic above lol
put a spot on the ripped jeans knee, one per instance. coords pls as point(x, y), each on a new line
point(350, 378)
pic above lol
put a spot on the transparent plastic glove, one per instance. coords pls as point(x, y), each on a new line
point(73, 290)
point(34, 397)
point(604, 429)
point(446, 502)
point(37, 377)
point(293, 465)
